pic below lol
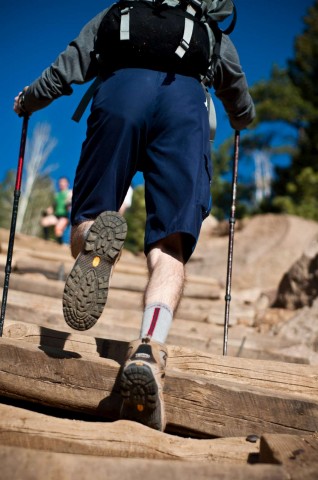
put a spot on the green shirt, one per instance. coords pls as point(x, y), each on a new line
point(61, 204)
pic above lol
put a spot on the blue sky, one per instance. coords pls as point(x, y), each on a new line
point(32, 34)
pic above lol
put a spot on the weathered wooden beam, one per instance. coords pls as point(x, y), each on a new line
point(24, 428)
point(180, 358)
point(40, 308)
point(183, 333)
point(190, 308)
point(29, 243)
point(208, 395)
point(29, 464)
point(35, 283)
point(36, 248)
point(125, 277)
point(297, 453)
point(44, 307)
point(124, 324)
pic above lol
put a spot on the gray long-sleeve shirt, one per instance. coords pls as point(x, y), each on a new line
point(77, 64)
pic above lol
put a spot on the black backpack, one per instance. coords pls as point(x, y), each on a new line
point(181, 36)
point(171, 35)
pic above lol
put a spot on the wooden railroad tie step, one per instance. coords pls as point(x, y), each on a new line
point(205, 395)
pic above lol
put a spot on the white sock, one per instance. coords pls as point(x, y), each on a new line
point(156, 322)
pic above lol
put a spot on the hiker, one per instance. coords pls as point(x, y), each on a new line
point(149, 113)
point(58, 215)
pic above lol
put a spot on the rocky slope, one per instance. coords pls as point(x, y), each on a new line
point(275, 271)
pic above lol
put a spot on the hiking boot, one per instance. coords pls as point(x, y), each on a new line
point(86, 288)
point(141, 384)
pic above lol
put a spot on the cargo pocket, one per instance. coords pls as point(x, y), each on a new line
point(205, 199)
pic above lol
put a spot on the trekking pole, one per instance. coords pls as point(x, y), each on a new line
point(17, 192)
point(231, 242)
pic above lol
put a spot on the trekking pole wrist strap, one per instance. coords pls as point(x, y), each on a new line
point(21, 102)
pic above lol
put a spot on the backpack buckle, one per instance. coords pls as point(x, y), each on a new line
point(197, 3)
point(186, 37)
point(199, 6)
point(184, 44)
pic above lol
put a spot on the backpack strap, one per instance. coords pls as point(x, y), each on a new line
point(88, 95)
point(194, 8)
point(124, 24)
point(215, 54)
point(216, 51)
point(187, 35)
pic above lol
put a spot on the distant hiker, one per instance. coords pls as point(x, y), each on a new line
point(58, 215)
point(149, 113)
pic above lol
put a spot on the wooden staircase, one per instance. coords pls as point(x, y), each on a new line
point(250, 415)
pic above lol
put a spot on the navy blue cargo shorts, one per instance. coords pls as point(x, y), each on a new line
point(156, 123)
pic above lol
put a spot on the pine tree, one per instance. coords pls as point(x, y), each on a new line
point(291, 96)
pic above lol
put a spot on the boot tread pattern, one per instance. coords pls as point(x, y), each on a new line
point(86, 288)
point(139, 391)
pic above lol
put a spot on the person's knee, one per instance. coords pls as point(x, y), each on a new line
point(169, 248)
point(61, 226)
point(58, 232)
point(173, 246)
